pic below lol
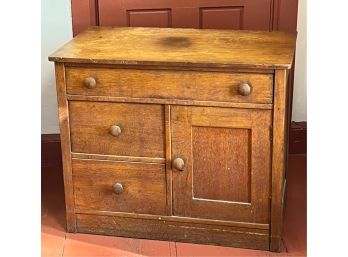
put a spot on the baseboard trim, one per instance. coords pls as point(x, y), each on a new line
point(51, 154)
point(51, 150)
point(298, 138)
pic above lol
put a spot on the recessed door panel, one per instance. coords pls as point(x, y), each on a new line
point(219, 172)
point(226, 155)
point(221, 17)
point(149, 18)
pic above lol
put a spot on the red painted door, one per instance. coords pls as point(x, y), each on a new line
point(221, 14)
point(224, 14)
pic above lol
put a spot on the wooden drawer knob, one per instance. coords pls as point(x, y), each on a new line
point(115, 130)
point(244, 89)
point(179, 164)
point(90, 82)
point(117, 188)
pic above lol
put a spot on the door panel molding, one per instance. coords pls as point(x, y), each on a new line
point(149, 18)
point(224, 17)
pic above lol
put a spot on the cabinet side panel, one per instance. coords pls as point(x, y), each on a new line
point(65, 143)
point(278, 158)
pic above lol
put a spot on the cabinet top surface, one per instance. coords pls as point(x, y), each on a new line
point(180, 47)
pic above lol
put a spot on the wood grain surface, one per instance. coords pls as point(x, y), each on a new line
point(142, 129)
point(201, 166)
point(168, 102)
point(180, 85)
point(161, 141)
point(64, 126)
point(171, 230)
point(180, 47)
point(144, 186)
point(245, 225)
point(278, 158)
point(221, 169)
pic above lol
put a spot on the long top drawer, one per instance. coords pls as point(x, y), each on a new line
point(164, 84)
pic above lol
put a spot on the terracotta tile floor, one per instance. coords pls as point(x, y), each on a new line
point(56, 242)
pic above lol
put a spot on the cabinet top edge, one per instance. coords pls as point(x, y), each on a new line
point(205, 48)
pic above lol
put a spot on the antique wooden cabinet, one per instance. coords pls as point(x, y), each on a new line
point(175, 134)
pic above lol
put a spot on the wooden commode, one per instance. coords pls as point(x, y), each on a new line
point(176, 134)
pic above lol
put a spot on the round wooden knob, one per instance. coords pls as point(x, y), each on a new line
point(117, 188)
point(244, 89)
point(90, 82)
point(179, 164)
point(115, 130)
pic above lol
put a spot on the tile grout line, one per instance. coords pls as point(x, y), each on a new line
point(176, 250)
point(284, 245)
point(63, 246)
point(170, 249)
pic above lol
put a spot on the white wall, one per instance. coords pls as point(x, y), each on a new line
point(56, 29)
point(299, 111)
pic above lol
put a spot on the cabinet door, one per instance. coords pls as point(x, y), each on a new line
point(226, 156)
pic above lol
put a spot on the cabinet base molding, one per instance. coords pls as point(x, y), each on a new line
point(245, 225)
point(173, 230)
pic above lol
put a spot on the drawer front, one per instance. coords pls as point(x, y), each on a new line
point(119, 186)
point(180, 85)
point(119, 129)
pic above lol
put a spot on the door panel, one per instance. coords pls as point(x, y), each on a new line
point(221, 17)
point(208, 170)
point(149, 18)
point(217, 14)
point(227, 163)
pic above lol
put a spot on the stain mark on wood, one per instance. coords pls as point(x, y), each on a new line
point(175, 42)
